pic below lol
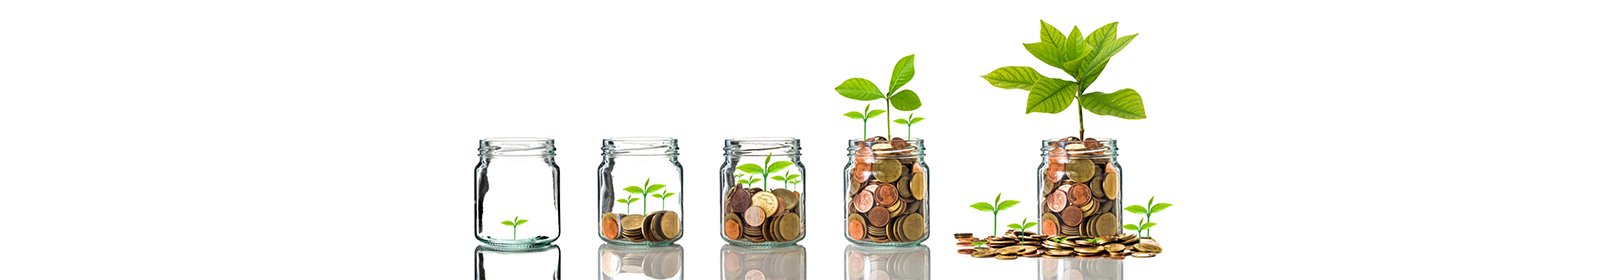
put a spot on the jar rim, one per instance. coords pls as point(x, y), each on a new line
point(639, 146)
point(763, 139)
point(517, 139)
point(516, 146)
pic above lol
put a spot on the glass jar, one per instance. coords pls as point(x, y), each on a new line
point(886, 193)
point(1080, 187)
point(530, 263)
point(763, 192)
point(640, 181)
point(633, 262)
point(1075, 269)
point(516, 176)
point(740, 262)
point(871, 263)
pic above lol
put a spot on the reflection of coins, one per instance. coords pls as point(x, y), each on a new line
point(1057, 200)
point(887, 170)
point(789, 198)
point(755, 275)
point(767, 201)
point(1080, 170)
point(878, 216)
point(864, 201)
point(730, 226)
point(754, 216)
point(1079, 194)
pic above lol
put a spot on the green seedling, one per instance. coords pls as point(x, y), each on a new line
point(1148, 209)
point(628, 201)
point(663, 196)
point(1081, 57)
point(645, 191)
point(908, 121)
point(979, 243)
point(1023, 226)
point(765, 169)
point(995, 209)
point(864, 115)
point(903, 100)
point(518, 221)
point(787, 179)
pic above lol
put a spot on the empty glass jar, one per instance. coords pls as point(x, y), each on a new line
point(763, 192)
point(518, 192)
point(1080, 187)
point(886, 192)
point(640, 184)
point(527, 263)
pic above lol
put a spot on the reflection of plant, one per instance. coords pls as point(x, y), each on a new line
point(1081, 57)
point(869, 114)
point(1019, 226)
point(908, 121)
point(787, 179)
point(629, 201)
point(646, 191)
point(991, 208)
point(904, 100)
point(1150, 207)
point(519, 221)
point(765, 169)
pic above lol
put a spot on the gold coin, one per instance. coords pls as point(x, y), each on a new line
point(887, 170)
point(1116, 247)
point(1111, 185)
point(1106, 225)
point(1143, 255)
point(1080, 170)
point(1005, 257)
point(790, 199)
point(1147, 248)
point(919, 185)
point(632, 222)
point(669, 225)
point(767, 201)
point(789, 226)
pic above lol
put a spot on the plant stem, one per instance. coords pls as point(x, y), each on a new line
point(863, 129)
point(513, 232)
point(1080, 118)
point(994, 230)
point(888, 114)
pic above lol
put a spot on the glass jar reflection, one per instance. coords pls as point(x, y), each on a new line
point(1080, 269)
point(512, 263)
point(862, 262)
point(634, 262)
point(763, 263)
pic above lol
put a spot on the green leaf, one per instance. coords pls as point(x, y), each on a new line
point(903, 71)
point(1007, 204)
point(1029, 225)
point(1100, 36)
point(634, 190)
point(906, 100)
point(1050, 34)
point(750, 168)
point(656, 195)
point(901, 121)
point(744, 181)
point(1146, 226)
point(507, 223)
point(669, 195)
point(520, 222)
point(777, 178)
point(619, 200)
point(1136, 209)
point(979, 243)
point(1076, 36)
point(792, 177)
point(632, 200)
point(654, 188)
point(874, 113)
point(859, 89)
point(1159, 207)
point(1051, 96)
point(1013, 77)
point(854, 115)
point(1046, 52)
point(1015, 226)
point(1152, 202)
point(1124, 103)
point(755, 180)
point(916, 120)
point(1130, 227)
point(982, 206)
point(1102, 56)
point(997, 198)
point(778, 166)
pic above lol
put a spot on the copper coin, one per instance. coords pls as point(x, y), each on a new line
point(609, 228)
point(731, 229)
point(1048, 227)
point(864, 201)
point(963, 244)
point(1079, 194)
point(1057, 200)
point(857, 230)
point(1071, 218)
point(967, 251)
point(739, 200)
point(887, 194)
point(753, 216)
point(1054, 172)
point(754, 274)
point(878, 216)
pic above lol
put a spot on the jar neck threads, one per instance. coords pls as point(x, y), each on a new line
point(516, 147)
point(1074, 147)
point(886, 148)
point(639, 146)
point(761, 146)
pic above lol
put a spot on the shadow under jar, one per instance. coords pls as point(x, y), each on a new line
point(763, 192)
point(639, 183)
point(518, 186)
point(1080, 187)
point(886, 192)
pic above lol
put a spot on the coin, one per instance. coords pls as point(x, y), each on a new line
point(1089, 209)
point(864, 200)
point(1078, 194)
point(609, 227)
point(919, 185)
point(1071, 218)
point(1088, 250)
point(963, 235)
point(1048, 224)
point(669, 225)
point(886, 194)
point(878, 216)
point(1106, 225)
point(887, 170)
point(632, 222)
point(767, 201)
point(1143, 255)
point(913, 227)
point(730, 226)
point(1080, 170)
point(1111, 185)
point(1116, 247)
point(739, 200)
point(754, 216)
point(1005, 257)
point(1147, 247)
point(1054, 172)
point(857, 230)
point(983, 252)
point(789, 197)
point(965, 251)
point(789, 226)
point(1057, 200)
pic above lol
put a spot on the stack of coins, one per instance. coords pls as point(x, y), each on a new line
point(756, 215)
point(657, 226)
point(887, 194)
point(1026, 244)
point(1081, 190)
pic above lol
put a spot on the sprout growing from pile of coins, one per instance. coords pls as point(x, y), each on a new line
point(765, 169)
point(645, 191)
point(1149, 208)
point(995, 209)
point(628, 201)
point(1023, 226)
point(1081, 57)
point(864, 115)
point(903, 100)
point(518, 221)
point(908, 121)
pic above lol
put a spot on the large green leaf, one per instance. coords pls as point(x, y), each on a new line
point(633, 189)
point(1159, 207)
point(778, 166)
point(1051, 95)
point(750, 168)
point(1146, 226)
point(1087, 77)
point(854, 115)
point(632, 200)
point(983, 206)
point(1013, 77)
point(1076, 36)
point(1102, 56)
point(1046, 52)
point(1100, 36)
point(1136, 209)
point(903, 71)
point(1049, 34)
point(656, 195)
point(859, 89)
point(1124, 103)
point(906, 100)
point(1015, 226)
point(619, 200)
point(1029, 225)
point(1007, 204)
point(874, 113)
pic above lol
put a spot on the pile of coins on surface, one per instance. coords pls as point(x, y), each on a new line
point(755, 215)
point(1014, 244)
point(754, 265)
point(888, 188)
point(653, 264)
point(1080, 190)
point(657, 226)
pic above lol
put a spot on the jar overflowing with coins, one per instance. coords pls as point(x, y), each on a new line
point(886, 192)
point(763, 192)
point(640, 181)
point(1079, 186)
point(517, 192)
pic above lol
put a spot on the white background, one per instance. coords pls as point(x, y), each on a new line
point(708, 71)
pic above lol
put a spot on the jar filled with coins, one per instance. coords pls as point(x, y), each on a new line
point(763, 192)
point(1080, 184)
point(634, 262)
point(745, 262)
point(517, 187)
point(640, 181)
point(886, 192)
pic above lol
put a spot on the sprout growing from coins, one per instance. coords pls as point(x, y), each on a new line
point(908, 121)
point(864, 115)
point(765, 169)
point(629, 202)
point(647, 190)
point(903, 100)
point(1023, 226)
point(1149, 208)
point(518, 221)
point(1081, 57)
point(995, 209)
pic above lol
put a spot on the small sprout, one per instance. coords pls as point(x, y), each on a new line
point(995, 210)
point(1148, 209)
point(1023, 226)
point(517, 222)
point(908, 121)
point(903, 100)
point(864, 115)
point(765, 169)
